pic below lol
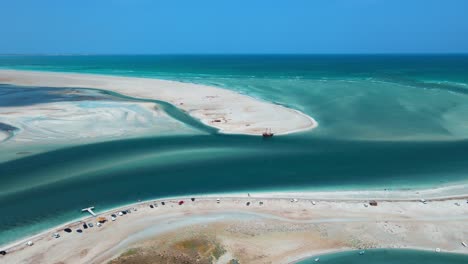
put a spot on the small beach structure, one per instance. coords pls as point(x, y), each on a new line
point(89, 210)
point(29, 243)
point(373, 203)
point(423, 201)
point(56, 235)
point(267, 133)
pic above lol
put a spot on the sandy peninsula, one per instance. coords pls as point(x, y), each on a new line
point(250, 229)
point(226, 110)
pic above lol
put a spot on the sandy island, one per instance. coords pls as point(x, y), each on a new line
point(250, 229)
point(226, 110)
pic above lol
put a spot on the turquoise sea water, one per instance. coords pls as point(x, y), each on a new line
point(392, 122)
point(389, 256)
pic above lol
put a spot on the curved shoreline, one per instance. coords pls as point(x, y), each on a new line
point(435, 194)
point(272, 213)
point(8, 133)
point(228, 111)
point(344, 250)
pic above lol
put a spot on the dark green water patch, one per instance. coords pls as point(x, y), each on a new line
point(389, 256)
point(55, 185)
point(169, 109)
point(12, 95)
point(7, 128)
point(10, 130)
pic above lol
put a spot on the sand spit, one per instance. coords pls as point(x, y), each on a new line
point(226, 110)
point(250, 230)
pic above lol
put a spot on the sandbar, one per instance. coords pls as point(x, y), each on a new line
point(226, 110)
point(252, 229)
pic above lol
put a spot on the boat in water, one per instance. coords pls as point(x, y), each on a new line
point(267, 133)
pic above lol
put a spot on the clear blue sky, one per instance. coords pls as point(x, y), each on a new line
point(233, 26)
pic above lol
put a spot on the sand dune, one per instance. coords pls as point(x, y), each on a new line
point(226, 110)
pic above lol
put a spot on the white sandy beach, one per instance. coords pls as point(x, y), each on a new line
point(226, 110)
point(268, 230)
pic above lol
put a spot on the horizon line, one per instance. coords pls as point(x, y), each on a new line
point(232, 54)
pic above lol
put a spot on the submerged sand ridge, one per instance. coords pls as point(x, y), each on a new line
point(230, 112)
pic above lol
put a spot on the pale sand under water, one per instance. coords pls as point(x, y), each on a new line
point(3, 135)
point(278, 231)
point(60, 122)
point(226, 110)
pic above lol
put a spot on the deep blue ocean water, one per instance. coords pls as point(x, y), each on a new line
point(385, 122)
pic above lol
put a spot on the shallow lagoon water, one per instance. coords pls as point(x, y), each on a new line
point(386, 122)
point(389, 256)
